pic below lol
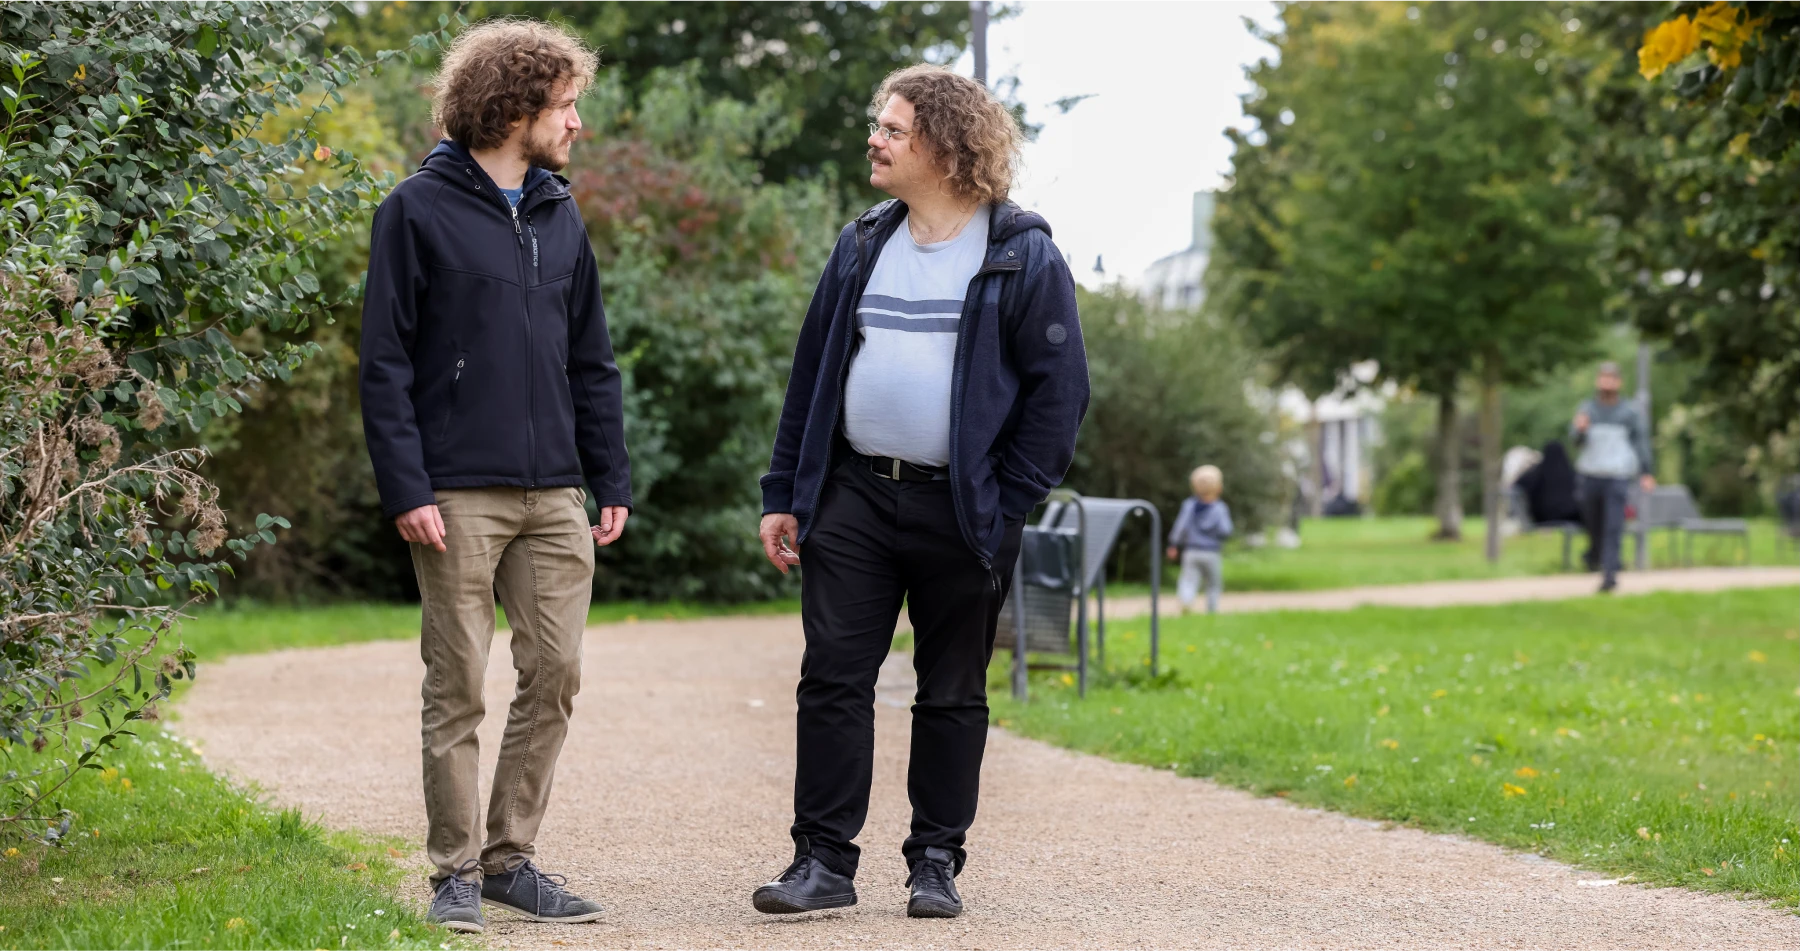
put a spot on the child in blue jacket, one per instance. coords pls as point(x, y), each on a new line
point(1201, 528)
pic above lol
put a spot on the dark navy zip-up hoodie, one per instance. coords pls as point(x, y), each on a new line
point(485, 356)
point(1019, 383)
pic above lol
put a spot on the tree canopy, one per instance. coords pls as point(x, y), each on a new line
point(1691, 172)
point(820, 61)
point(1400, 199)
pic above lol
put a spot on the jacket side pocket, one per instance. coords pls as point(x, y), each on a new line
point(456, 378)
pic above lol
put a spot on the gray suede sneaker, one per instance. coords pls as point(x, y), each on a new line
point(533, 894)
point(456, 904)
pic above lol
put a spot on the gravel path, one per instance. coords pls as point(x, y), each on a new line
point(673, 794)
point(1437, 594)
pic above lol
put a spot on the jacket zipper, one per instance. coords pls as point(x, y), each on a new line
point(531, 429)
point(850, 335)
point(455, 381)
point(958, 363)
point(531, 395)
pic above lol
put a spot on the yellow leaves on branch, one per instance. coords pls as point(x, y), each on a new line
point(1721, 26)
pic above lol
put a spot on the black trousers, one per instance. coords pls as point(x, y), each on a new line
point(874, 543)
point(1604, 515)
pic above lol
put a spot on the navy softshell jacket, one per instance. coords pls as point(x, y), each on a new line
point(485, 356)
point(1019, 381)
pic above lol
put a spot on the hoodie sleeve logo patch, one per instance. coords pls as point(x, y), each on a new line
point(1056, 334)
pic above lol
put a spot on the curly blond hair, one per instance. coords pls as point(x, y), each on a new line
point(974, 138)
point(502, 70)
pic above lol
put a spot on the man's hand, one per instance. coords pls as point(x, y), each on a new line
point(612, 523)
point(422, 526)
point(1172, 553)
point(1647, 482)
point(777, 527)
point(1582, 422)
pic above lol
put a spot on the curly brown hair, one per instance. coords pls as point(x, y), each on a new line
point(503, 70)
point(974, 138)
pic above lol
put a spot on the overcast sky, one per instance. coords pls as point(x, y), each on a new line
point(1114, 176)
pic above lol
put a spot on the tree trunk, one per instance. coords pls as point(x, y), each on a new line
point(1449, 507)
point(1316, 452)
point(1490, 428)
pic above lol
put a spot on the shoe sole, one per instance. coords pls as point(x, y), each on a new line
point(567, 920)
point(774, 903)
point(926, 909)
point(466, 927)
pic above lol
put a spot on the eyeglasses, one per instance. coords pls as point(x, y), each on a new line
point(887, 133)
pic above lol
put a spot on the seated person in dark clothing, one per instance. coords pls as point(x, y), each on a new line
point(1550, 487)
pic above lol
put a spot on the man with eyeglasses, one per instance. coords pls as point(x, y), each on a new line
point(937, 387)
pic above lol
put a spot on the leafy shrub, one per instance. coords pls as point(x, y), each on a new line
point(707, 272)
point(142, 227)
point(1168, 393)
point(1407, 488)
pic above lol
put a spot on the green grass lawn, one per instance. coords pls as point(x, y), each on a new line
point(1352, 552)
point(166, 854)
point(1651, 736)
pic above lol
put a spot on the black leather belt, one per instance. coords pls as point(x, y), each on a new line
point(903, 471)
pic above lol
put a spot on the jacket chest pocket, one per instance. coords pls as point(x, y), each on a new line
point(550, 245)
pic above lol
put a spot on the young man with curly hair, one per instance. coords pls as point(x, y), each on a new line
point(490, 399)
point(937, 386)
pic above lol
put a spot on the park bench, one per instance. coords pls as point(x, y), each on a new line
point(1671, 508)
point(1061, 560)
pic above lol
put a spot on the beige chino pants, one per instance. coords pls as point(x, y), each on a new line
point(532, 547)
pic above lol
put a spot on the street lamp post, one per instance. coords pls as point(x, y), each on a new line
point(978, 22)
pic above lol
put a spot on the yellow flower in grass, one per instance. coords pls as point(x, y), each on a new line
point(1757, 657)
point(1391, 744)
point(1436, 694)
point(124, 784)
point(1526, 772)
point(1350, 782)
point(12, 853)
point(1510, 790)
point(234, 924)
point(1644, 833)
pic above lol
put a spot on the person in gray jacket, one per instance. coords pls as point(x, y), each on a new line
point(1201, 527)
point(1613, 447)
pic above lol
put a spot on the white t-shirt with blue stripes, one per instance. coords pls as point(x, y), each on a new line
point(897, 397)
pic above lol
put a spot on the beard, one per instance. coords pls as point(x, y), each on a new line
point(550, 153)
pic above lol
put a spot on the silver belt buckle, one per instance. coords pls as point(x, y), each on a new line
point(896, 476)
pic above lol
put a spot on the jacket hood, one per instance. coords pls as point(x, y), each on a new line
point(451, 160)
point(1009, 219)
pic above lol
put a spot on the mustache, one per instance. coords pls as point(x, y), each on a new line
point(873, 156)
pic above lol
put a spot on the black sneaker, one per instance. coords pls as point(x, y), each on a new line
point(1608, 586)
point(934, 884)
point(456, 904)
point(806, 885)
point(532, 894)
